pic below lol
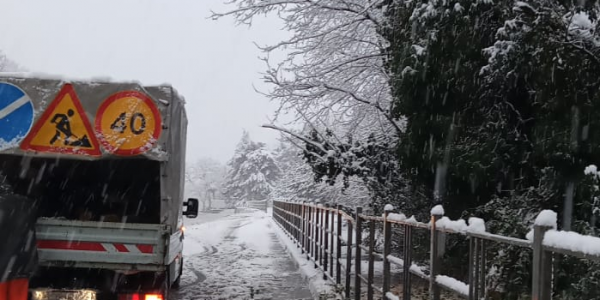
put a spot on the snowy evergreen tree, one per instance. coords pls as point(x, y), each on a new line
point(252, 171)
point(297, 181)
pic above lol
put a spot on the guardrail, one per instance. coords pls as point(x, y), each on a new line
point(318, 232)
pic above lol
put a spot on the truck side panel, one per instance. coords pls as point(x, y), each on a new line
point(173, 169)
point(85, 244)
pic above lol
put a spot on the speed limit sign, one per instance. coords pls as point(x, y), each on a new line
point(128, 123)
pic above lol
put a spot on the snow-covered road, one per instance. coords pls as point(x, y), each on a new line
point(232, 256)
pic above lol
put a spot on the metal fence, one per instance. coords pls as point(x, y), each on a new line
point(318, 232)
point(254, 204)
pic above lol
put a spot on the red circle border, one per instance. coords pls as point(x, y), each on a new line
point(113, 98)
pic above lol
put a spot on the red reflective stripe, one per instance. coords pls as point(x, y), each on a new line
point(120, 247)
point(66, 245)
point(145, 248)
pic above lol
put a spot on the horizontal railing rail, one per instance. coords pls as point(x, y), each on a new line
point(333, 239)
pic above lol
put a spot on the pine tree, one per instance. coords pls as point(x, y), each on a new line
point(252, 172)
point(298, 183)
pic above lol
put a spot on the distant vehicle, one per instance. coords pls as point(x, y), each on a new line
point(105, 163)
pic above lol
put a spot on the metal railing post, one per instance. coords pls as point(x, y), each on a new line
point(472, 262)
point(434, 259)
point(317, 231)
point(387, 250)
point(294, 217)
point(309, 241)
point(542, 266)
point(477, 267)
point(299, 224)
point(331, 242)
point(407, 248)
point(349, 246)
point(357, 256)
point(338, 264)
point(302, 230)
point(483, 270)
point(325, 236)
point(285, 218)
point(371, 271)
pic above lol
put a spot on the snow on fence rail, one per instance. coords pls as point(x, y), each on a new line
point(321, 232)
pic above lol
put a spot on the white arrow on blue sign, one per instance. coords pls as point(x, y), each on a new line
point(16, 115)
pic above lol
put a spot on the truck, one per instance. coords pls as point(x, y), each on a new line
point(104, 162)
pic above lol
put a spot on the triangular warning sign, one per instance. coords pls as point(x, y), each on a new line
point(63, 128)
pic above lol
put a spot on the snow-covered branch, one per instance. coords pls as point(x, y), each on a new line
point(334, 72)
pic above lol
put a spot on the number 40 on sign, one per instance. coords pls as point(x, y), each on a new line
point(128, 123)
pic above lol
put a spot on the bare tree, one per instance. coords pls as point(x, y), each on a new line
point(203, 179)
point(7, 65)
point(334, 74)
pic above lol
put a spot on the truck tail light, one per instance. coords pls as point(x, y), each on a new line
point(141, 297)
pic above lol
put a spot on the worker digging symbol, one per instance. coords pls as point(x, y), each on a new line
point(63, 127)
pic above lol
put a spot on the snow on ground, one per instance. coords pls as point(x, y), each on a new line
point(232, 256)
point(317, 283)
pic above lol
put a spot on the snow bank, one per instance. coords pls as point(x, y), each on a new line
point(453, 284)
point(437, 210)
point(573, 241)
point(388, 207)
point(546, 218)
point(317, 284)
point(459, 225)
point(476, 225)
point(253, 235)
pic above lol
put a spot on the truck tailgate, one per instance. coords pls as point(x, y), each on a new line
point(118, 246)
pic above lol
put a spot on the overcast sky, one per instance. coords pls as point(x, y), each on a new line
point(214, 64)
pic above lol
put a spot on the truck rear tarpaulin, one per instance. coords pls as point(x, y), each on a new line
point(52, 118)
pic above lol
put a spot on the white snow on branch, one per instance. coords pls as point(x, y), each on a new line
point(591, 170)
point(334, 72)
point(458, 7)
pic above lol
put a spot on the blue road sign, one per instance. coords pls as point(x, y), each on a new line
point(16, 115)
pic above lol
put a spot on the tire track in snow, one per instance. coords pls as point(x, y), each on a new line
point(248, 257)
